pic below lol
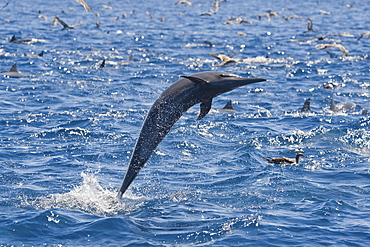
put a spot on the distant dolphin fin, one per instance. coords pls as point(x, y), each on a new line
point(332, 105)
point(13, 68)
point(102, 65)
point(13, 38)
point(306, 105)
point(195, 79)
point(229, 105)
point(205, 106)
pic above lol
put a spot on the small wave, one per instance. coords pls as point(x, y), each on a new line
point(358, 140)
point(90, 197)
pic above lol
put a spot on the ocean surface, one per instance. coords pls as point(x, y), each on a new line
point(68, 128)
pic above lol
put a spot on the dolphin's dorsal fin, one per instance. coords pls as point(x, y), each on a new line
point(332, 105)
point(205, 106)
point(306, 105)
point(13, 68)
point(102, 65)
point(195, 79)
point(13, 38)
point(229, 105)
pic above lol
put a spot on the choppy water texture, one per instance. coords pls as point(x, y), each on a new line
point(67, 129)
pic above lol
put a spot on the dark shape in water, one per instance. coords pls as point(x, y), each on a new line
point(306, 106)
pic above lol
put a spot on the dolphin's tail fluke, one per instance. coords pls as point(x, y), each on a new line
point(129, 177)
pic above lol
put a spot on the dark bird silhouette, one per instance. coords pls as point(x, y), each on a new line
point(309, 26)
point(367, 33)
point(4, 5)
point(284, 160)
point(65, 25)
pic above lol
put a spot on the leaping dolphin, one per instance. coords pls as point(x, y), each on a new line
point(169, 107)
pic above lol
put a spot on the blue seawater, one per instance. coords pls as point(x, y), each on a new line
point(67, 130)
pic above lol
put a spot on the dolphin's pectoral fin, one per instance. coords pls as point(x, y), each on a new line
point(195, 79)
point(205, 106)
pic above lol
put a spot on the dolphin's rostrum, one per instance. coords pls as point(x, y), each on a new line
point(169, 107)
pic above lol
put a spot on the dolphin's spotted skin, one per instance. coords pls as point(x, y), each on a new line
point(169, 107)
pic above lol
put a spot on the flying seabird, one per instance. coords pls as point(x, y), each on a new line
point(184, 1)
point(309, 26)
point(216, 5)
point(268, 15)
point(82, 2)
point(65, 25)
point(323, 12)
point(5, 5)
point(339, 46)
point(284, 160)
point(367, 33)
point(238, 20)
point(292, 16)
point(226, 59)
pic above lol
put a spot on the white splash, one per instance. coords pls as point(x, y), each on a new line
point(90, 197)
